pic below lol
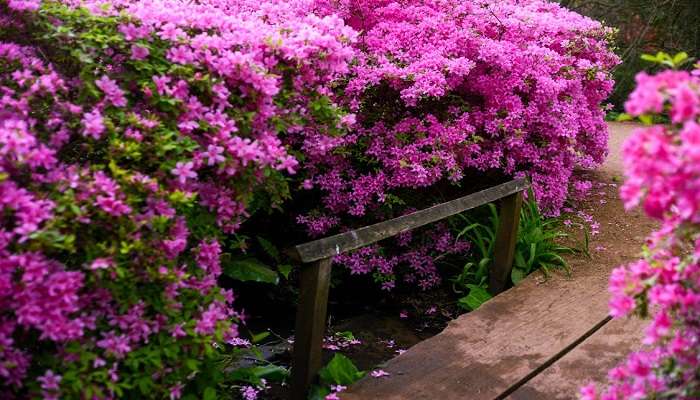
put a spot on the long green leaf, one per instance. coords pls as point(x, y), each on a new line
point(250, 269)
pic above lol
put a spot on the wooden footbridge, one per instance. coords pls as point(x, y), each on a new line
point(538, 340)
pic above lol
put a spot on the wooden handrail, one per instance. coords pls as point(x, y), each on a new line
point(315, 278)
point(343, 242)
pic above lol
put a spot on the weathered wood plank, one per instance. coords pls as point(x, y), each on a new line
point(480, 355)
point(337, 244)
point(506, 239)
point(587, 363)
point(310, 326)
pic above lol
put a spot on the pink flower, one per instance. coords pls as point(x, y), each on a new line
point(238, 342)
point(93, 124)
point(176, 391)
point(621, 305)
point(338, 388)
point(183, 171)
point(214, 154)
point(249, 393)
point(112, 91)
point(177, 331)
point(161, 83)
point(378, 373)
point(686, 104)
point(588, 392)
point(348, 119)
point(139, 52)
point(101, 263)
point(24, 5)
point(50, 381)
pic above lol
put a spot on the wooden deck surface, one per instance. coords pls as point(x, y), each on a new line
point(539, 340)
point(588, 362)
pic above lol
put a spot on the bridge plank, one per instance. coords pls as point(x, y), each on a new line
point(588, 363)
point(482, 354)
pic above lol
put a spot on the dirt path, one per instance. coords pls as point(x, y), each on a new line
point(618, 133)
point(622, 233)
point(542, 339)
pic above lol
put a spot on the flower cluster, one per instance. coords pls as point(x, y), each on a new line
point(662, 167)
point(133, 137)
point(415, 264)
point(440, 87)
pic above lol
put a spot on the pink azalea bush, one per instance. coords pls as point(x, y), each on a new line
point(440, 88)
point(134, 136)
point(662, 168)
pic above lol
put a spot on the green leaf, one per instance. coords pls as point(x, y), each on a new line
point(623, 117)
point(253, 375)
point(340, 371)
point(257, 338)
point(192, 364)
point(646, 119)
point(476, 297)
point(285, 270)
point(271, 372)
point(517, 275)
point(269, 248)
point(650, 58)
point(318, 392)
point(679, 58)
point(250, 269)
point(347, 335)
point(209, 394)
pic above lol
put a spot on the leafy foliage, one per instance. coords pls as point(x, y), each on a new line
point(340, 372)
point(537, 248)
point(138, 136)
point(643, 27)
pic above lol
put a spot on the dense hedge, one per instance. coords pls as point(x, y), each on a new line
point(132, 139)
point(138, 136)
point(441, 88)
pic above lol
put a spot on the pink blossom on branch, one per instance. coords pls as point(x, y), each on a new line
point(663, 176)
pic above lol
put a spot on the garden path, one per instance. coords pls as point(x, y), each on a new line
point(542, 339)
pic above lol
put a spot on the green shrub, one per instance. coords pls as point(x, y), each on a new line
point(537, 248)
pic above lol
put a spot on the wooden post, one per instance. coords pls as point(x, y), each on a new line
point(506, 239)
point(310, 326)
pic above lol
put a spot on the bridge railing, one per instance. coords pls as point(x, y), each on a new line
point(317, 256)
